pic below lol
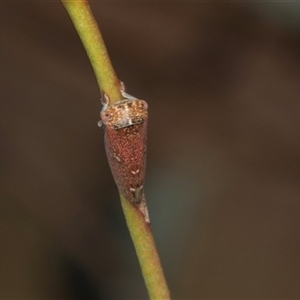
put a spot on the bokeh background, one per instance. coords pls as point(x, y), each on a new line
point(222, 81)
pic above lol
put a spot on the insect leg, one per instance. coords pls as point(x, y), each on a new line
point(124, 94)
point(104, 101)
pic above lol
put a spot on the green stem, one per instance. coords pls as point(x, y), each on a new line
point(89, 33)
point(145, 248)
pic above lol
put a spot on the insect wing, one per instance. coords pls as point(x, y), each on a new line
point(126, 151)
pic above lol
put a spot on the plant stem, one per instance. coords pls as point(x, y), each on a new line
point(140, 231)
point(89, 33)
point(145, 248)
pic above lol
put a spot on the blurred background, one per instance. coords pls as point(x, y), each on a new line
point(222, 81)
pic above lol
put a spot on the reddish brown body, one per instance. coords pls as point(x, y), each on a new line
point(125, 125)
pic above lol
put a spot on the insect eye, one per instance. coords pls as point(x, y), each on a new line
point(144, 104)
point(104, 116)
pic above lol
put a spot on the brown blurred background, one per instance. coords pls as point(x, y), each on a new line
point(222, 81)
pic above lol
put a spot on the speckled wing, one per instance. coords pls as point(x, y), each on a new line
point(125, 126)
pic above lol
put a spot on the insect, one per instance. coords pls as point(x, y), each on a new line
point(125, 137)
